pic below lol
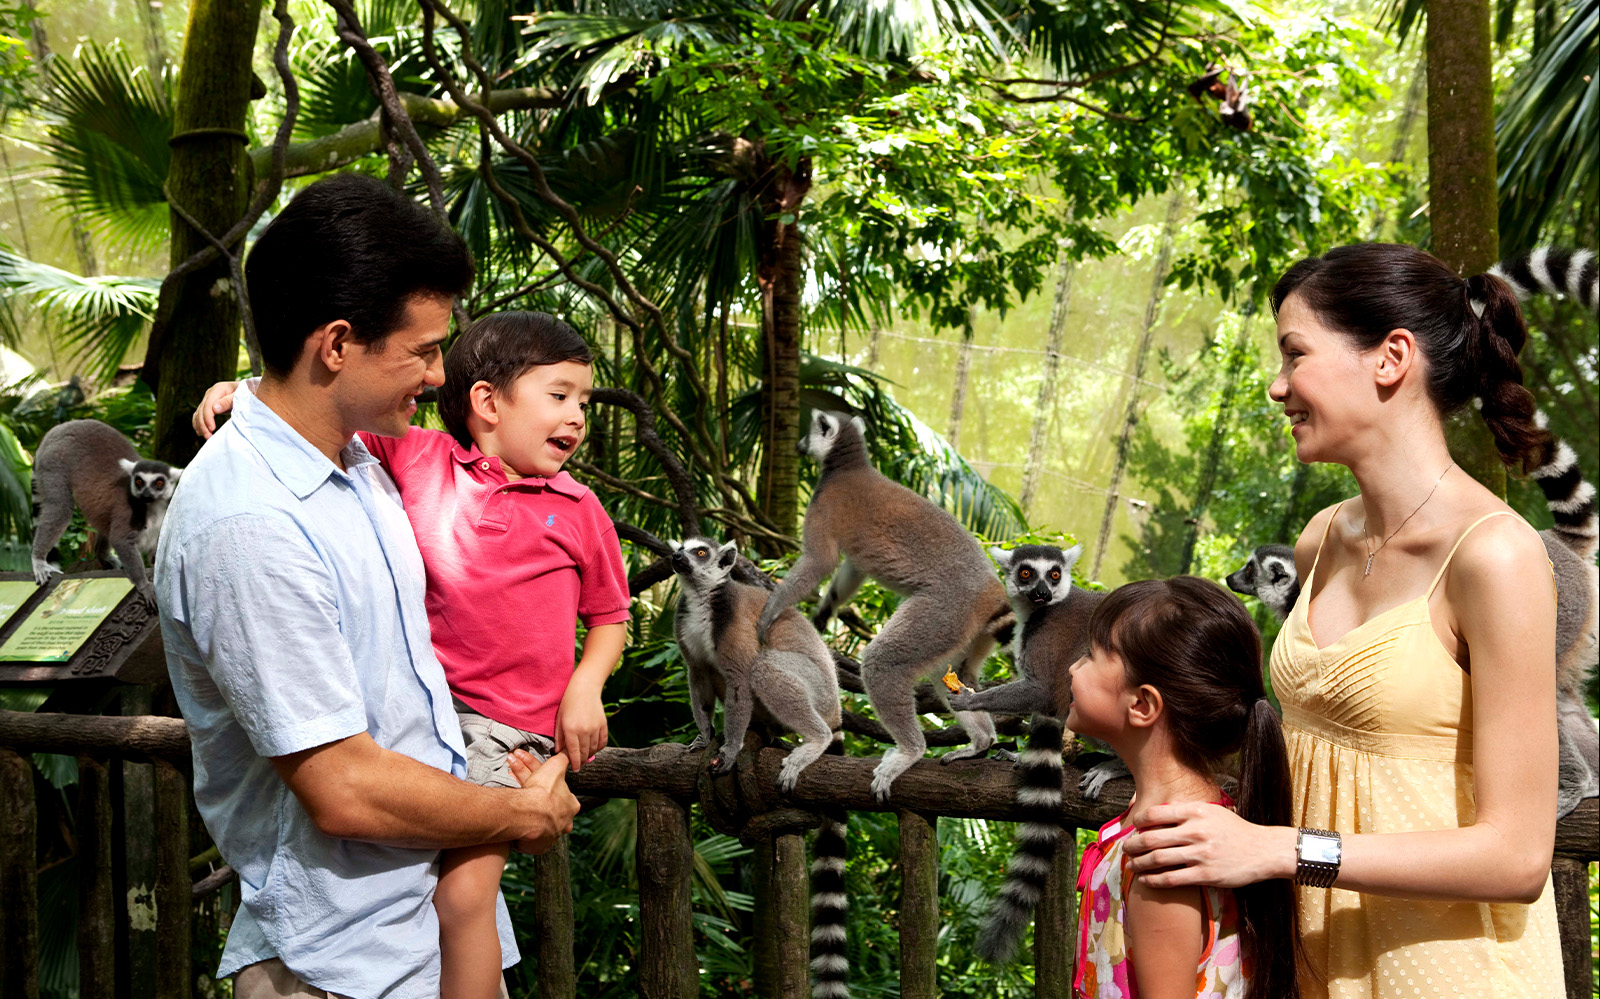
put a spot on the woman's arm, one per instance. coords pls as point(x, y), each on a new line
point(1499, 591)
point(1166, 936)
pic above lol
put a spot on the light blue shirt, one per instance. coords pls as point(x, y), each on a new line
point(291, 598)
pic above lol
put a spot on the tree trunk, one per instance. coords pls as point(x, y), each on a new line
point(780, 277)
point(211, 178)
point(1033, 468)
point(1130, 419)
point(1212, 462)
point(958, 398)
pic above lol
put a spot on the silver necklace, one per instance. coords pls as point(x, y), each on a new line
point(1367, 539)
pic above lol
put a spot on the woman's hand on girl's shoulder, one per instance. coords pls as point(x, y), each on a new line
point(1199, 843)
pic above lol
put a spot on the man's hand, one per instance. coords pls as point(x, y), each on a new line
point(581, 725)
point(553, 806)
point(218, 400)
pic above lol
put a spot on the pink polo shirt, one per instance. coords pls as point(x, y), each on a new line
point(512, 565)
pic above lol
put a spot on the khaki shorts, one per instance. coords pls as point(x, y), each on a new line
point(272, 979)
point(489, 746)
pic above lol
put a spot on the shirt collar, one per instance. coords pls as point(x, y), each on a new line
point(561, 483)
point(292, 458)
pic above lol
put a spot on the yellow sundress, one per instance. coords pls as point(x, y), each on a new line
point(1379, 731)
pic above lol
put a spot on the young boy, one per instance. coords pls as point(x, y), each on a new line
point(515, 552)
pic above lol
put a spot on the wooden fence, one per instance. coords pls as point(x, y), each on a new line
point(667, 781)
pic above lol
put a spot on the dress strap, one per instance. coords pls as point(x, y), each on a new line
point(1440, 574)
point(1318, 557)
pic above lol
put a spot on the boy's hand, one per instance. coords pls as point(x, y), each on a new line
point(218, 400)
point(554, 805)
point(580, 725)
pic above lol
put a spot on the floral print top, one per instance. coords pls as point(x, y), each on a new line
point(1105, 964)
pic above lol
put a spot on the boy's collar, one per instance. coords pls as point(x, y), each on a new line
point(560, 483)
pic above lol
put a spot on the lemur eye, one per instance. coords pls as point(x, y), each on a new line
point(701, 552)
point(1025, 574)
point(1055, 575)
point(159, 484)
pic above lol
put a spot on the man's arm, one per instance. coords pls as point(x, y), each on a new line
point(356, 789)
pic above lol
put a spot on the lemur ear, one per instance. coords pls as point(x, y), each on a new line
point(859, 424)
point(126, 465)
point(728, 554)
point(173, 473)
point(1001, 556)
point(824, 424)
point(674, 545)
point(1071, 555)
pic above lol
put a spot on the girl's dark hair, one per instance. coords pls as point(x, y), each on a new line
point(1368, 289)
point(1196, 644)
point(348, 247)
point(499, 349)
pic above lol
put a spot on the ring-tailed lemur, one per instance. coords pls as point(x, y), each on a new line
point(1270, 575)
point(122, 496)
point(1554, 272)
point(1052, 633)
point(788, 683)
point(951, 608)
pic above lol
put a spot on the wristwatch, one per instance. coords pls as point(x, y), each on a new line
point(1317, 855)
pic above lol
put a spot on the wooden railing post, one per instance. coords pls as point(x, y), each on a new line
point(919, 906)
point(19, 879)
point(667, 968)
point(552, 923)
point(1570, 879)
point(173, 898)
point(97, 912)
point(1055, 923)
point(791, 916)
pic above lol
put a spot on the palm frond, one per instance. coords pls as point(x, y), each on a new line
point(1545, 133)
point(98, 318)
point(16, 497)
point(107, 122)
point(899, 30)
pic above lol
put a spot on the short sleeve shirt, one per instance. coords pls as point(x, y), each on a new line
point(513, 565)
point(292, 610)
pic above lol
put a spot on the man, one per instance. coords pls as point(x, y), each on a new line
point(327, 753)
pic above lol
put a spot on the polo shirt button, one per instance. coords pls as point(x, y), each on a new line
point(484, 466)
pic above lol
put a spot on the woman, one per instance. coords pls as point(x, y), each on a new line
point(1417, 670)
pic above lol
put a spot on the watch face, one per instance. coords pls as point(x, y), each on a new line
point(1320, 849)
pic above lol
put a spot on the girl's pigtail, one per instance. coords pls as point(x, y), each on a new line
point(1268, 930)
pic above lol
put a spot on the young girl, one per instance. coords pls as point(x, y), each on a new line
point(1173, 683)
point(516, 552)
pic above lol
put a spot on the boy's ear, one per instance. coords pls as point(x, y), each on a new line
point(481, 401)
point(1145, 707)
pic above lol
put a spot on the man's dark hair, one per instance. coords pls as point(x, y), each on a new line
point(348, 247)
point(499, 349)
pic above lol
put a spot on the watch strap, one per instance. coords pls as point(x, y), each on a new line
point(1314, 873)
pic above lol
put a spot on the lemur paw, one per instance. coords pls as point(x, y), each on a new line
point(788, 777)
point(700, 742)
point(147, 594)
point(961, 700)
point(1096, 777)
point(1007, 755)
point(965, 753)
point(880, 788)
point(724, 764)
point(42, 571)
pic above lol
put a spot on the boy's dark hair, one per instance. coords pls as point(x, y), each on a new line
point(499, 349)
point(1470, 331)
point(1196, 644)
point(348, 247)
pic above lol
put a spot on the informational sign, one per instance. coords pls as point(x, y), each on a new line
point(64, 620)
point(13, 594)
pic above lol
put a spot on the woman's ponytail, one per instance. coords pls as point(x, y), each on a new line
point(1269, 932)
point(1508, 407)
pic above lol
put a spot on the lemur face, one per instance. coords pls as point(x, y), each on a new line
point(1270, 576)
point(151, 480)
point(824, 433)
point(702, 563)
point(1040, 575)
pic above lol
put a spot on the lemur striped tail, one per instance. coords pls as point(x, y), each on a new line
point(1554, 272)
point(1570, 497)
point(830, 964)
point(1039, 798)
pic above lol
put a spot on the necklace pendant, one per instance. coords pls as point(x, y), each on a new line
point(1368, 570)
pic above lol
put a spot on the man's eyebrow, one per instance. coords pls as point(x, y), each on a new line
point(429, 345)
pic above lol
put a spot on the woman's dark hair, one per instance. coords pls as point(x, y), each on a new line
point(1470, 331)
point(499, 349)
point(348, 247)
point(1196, 644)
